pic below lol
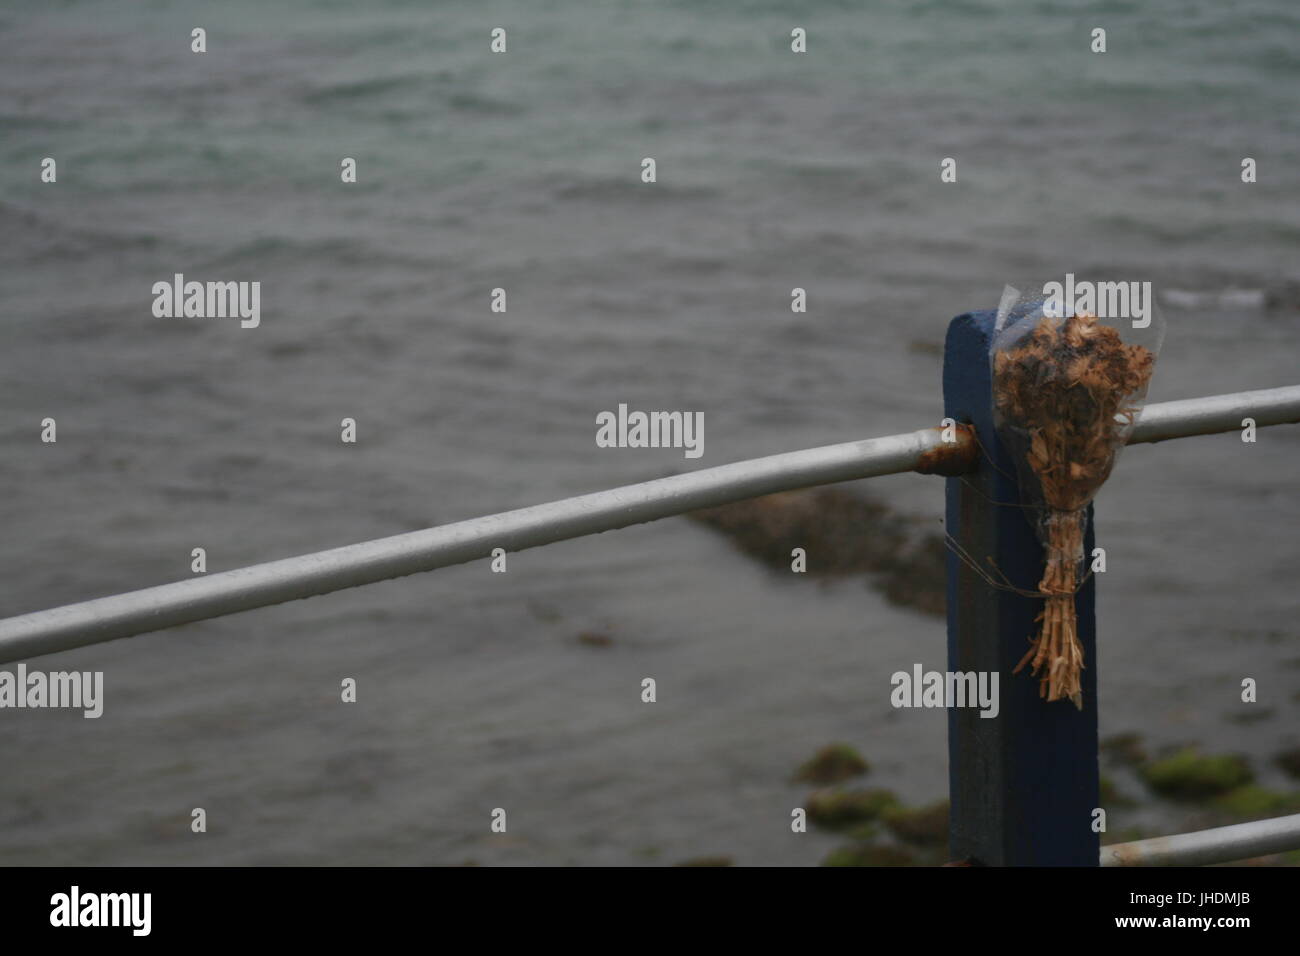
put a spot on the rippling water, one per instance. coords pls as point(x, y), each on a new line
point(521, 171)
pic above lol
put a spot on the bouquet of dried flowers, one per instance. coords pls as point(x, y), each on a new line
point(1066, 395)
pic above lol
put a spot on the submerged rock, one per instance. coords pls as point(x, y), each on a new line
point(1188, 775)
point(832, 764)
point(839, 809)
point(1110, 795)
point(1125, 748)
point(1283, 296)
point(842, 534)
point(1289, 761)
point(922, 826)
point(916, 577)
point(870, 854)
point(1253, 802)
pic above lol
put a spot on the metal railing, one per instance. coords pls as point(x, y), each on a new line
point(228, 592)
point(1241, 841)
point(321, 572)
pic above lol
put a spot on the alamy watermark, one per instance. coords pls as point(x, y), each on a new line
point(208, 300)
point(922, 688)
point(79, 690)
point(1106, 300)
point(634, 429)
point(76, 908)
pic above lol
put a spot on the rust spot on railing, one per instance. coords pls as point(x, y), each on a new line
point(1130, 854)
point(952, 458)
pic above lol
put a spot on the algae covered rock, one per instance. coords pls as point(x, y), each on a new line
point(922, 826)
point(839, 809)
point(841, 534)
point(1189, 775)
point(1253, 802)
point(832, 764)
point(869, 854)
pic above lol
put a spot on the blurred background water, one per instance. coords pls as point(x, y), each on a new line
point(522, 171)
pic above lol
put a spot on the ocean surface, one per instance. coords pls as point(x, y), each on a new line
point(522, 171)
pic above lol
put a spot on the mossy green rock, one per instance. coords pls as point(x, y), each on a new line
point(869, 854)
point(923, 826)
point(832, 764)
point(1188, 775)
point(840, 809)
point(1251, 802)
point(863, 832)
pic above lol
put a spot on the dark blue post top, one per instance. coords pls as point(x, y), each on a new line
point(1024, 784)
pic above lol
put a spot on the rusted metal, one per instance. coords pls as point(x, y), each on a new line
point(951, 458)
point(1128, 854)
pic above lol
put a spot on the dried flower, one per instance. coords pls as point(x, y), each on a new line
point(1070, 388)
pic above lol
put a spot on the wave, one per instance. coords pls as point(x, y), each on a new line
point(626, 188)
point(1280, 296)
point(363, 89)
point(45, 237)
point(1221, 299)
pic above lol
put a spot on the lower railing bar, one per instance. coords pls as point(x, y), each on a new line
point(1242, 841)
point(227, 592)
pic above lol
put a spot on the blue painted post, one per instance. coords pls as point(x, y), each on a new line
point(1024, 784)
